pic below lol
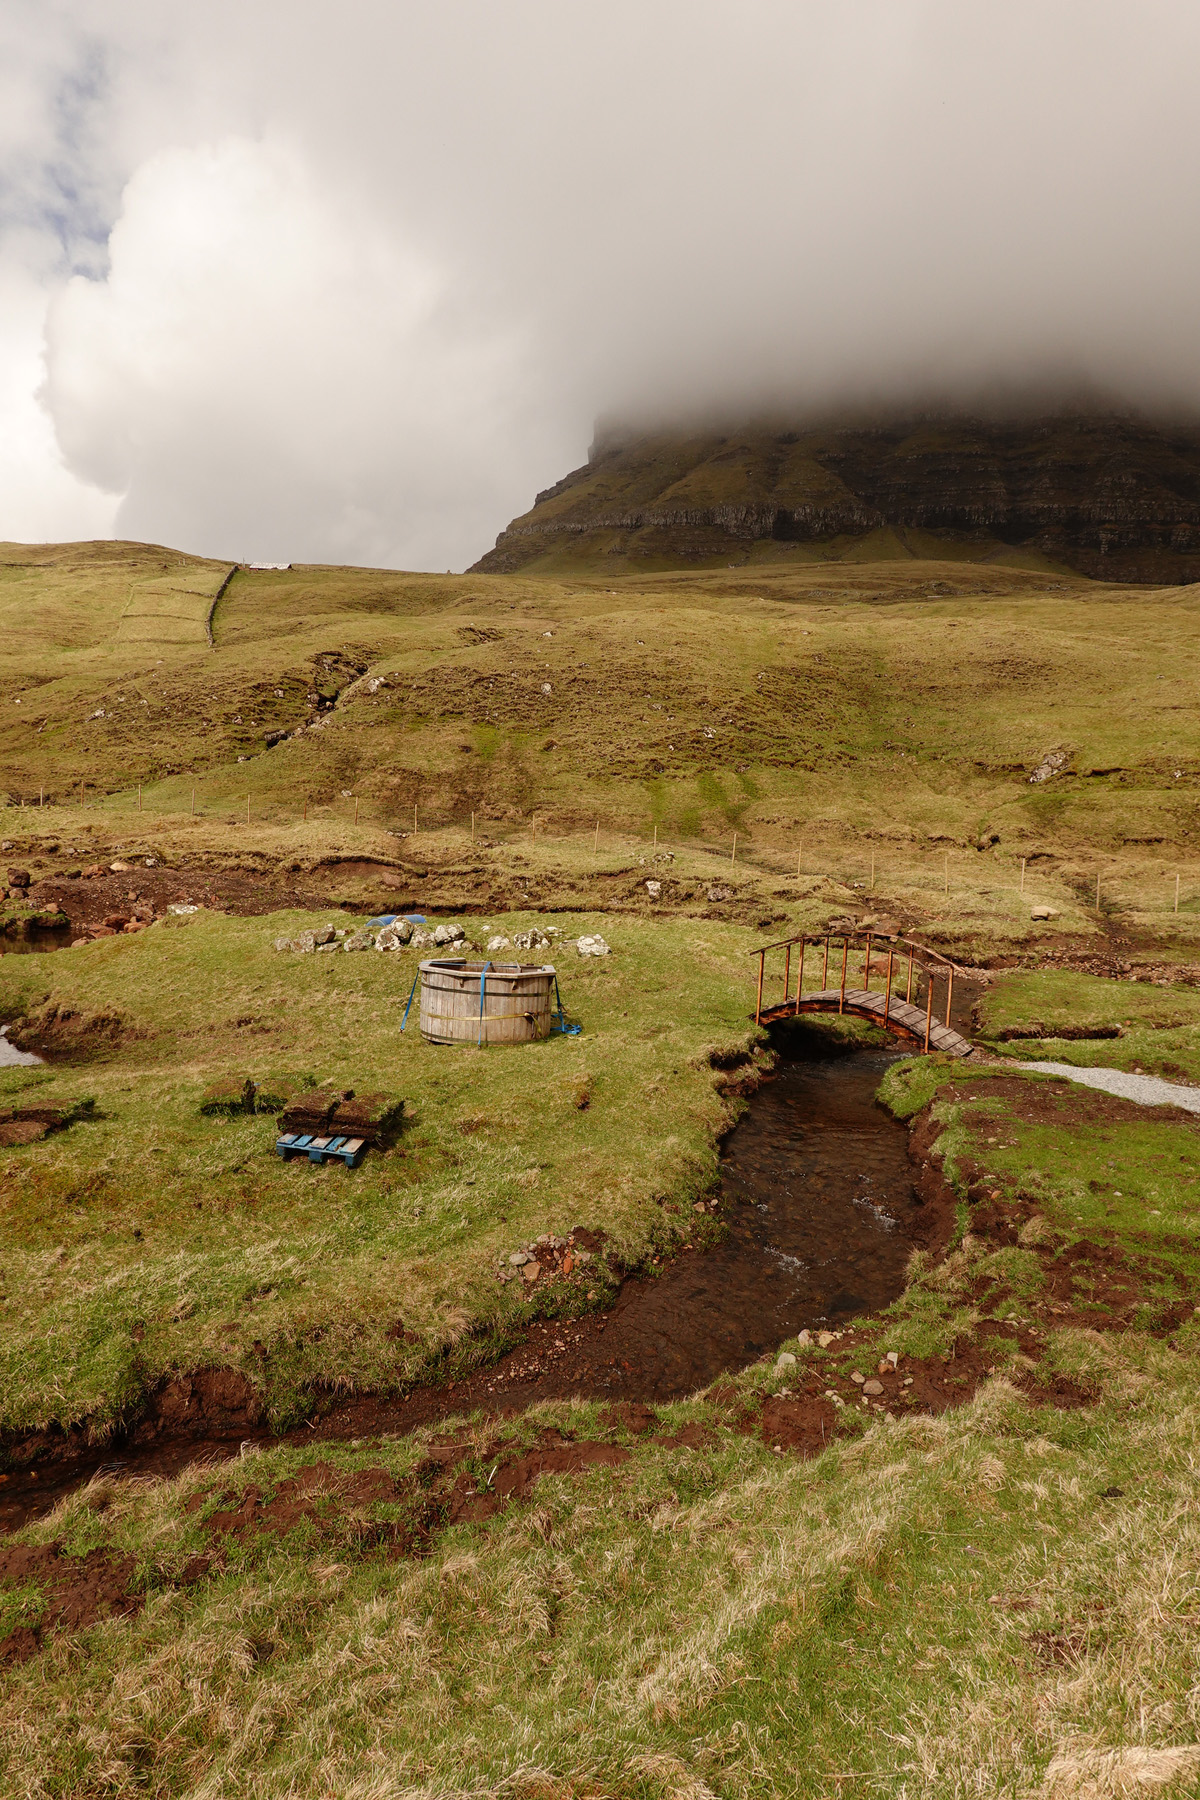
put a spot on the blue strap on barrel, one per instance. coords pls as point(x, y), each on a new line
point(482, 985)
point(412, 990)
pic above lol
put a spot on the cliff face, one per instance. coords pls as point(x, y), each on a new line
point(1112, 496)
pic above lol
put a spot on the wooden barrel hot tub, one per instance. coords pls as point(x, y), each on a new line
point(517, 1002)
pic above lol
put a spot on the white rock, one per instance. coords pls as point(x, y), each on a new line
point(283, 943)
point(359, 940)
point(593, 945)
point(497, 943)
point(119, 868)
point(518, 1258)
point(178, 907)
point(305, 943)
point(805, 1338)
point(654, 889)
point(1042, 912)
point(785, 1360)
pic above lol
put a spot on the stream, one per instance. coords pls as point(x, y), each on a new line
point(822, 1216)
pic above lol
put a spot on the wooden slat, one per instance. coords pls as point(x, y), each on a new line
point(899, 1016)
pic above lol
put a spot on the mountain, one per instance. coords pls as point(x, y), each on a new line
point(1110, 495)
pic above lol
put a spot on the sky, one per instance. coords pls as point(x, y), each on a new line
point(288, 281)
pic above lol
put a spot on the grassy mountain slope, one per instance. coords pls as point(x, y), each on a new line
point(1111, 496)
point(832, 712)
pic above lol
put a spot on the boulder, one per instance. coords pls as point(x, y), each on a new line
point(1042, 912)
point(390, 938)
point(448, 934)
point(18, 878)
point(533, 939)
point(1053, 763)
point(305, 943)
point(654, 889)
point(717, 893)
point(283, 943)
point(593, 945)
point(324, 934)
point(496, 944)
point(359, 940)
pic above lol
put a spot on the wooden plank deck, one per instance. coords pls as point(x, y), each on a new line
point(899, 1017)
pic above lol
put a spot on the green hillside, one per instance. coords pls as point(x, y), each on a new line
point(828, 715)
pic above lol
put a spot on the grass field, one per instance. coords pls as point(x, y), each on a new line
point(991, 1592)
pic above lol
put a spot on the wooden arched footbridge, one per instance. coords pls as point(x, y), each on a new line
point(876, 1001)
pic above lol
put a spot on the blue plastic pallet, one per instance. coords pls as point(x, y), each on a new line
point(321, 1149)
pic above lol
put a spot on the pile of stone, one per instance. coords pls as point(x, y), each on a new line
point(401, 934)
point(546, 1257)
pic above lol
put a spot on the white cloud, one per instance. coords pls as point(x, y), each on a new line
point(41, 501)
point(266, 356)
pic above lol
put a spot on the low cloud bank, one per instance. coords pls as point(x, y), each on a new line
point(272, 291)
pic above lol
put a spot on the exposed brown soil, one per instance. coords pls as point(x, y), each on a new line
point(331, 1502)
point(78, 1591)
point(1061, 1103)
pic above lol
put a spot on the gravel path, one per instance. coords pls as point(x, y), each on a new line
point(1146, 1090)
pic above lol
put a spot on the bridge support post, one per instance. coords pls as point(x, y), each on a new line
point(887, 990)
point(762, 959)
point(867, 967)
point(787, 970)
point(908, 989)
point(800, 977)
point(928, 1011)
point(949, 993)
point(845, 958)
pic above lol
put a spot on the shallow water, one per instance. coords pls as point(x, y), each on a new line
point(816, 1187)
point(10, 1056)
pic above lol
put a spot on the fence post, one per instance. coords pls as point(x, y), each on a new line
point(733, 858)
point(787, 970)
point(1177, 893)
point(908, 989)
point(867, 967)
point(825, 969)
point(762, 958)
point(887, 992)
